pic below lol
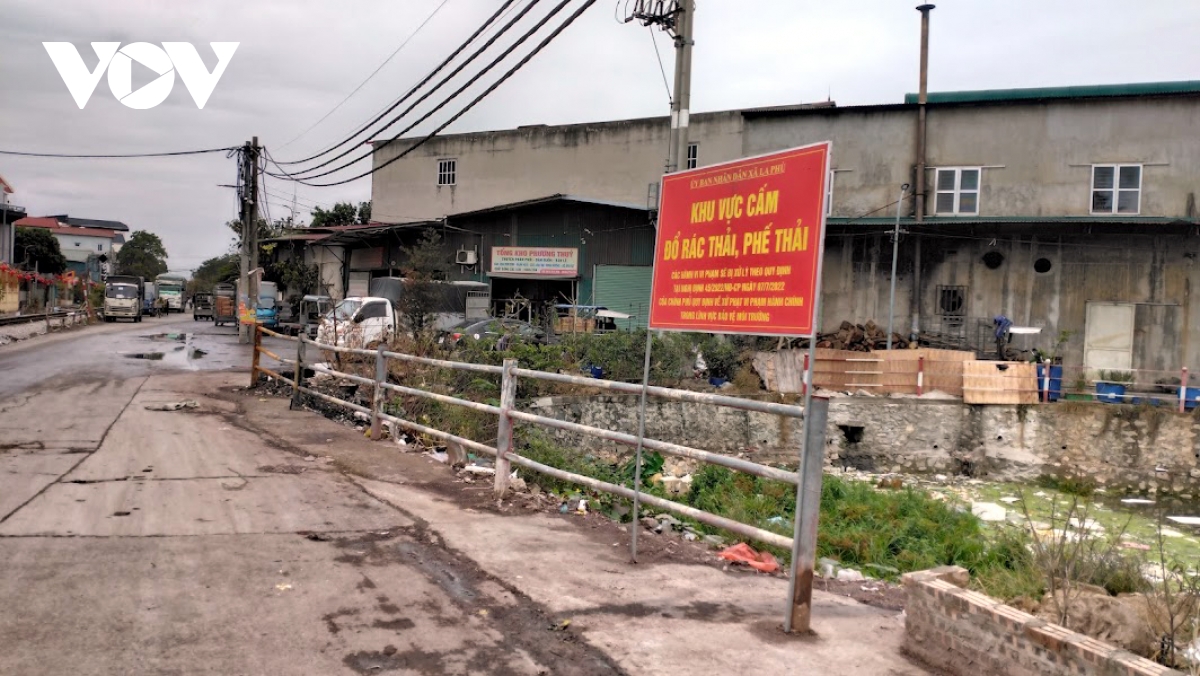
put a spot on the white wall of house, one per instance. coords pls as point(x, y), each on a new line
point(77, 248)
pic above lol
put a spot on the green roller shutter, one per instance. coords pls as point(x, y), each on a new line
point(624, 288)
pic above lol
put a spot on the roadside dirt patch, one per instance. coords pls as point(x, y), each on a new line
point(525, 626)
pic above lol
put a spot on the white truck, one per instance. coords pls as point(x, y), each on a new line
point(362, 322)
point(367, 321)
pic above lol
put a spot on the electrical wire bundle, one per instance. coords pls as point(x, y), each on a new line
point(309, 170)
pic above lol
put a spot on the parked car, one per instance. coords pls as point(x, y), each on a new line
point(498, 329)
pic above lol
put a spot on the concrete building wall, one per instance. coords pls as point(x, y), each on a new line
point(1036, 156)
point(872, 151)
point(77, 248)
point(1154, 272)
point(615, 161)
point(328, 260)
point(1041, 153)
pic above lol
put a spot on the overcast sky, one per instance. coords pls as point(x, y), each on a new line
point(299, 58)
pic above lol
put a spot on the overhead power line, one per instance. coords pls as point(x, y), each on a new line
point(469, 60)
point(520, 64)
point(372, 75)
point(466, 43)
point(176, 153)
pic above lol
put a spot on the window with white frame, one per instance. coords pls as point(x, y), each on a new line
point(693, 155)
point(956, 191)
point(1116, 188)
point(447, 171)
point(829, 193)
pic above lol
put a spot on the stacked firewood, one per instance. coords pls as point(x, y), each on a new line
point(861, 338)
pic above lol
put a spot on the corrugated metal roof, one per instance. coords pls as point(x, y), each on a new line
point(548, 199)
point(1079, 92)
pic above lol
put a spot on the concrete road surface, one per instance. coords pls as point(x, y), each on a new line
point(223, 539)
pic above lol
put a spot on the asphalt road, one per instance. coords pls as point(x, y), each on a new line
point(139, 541)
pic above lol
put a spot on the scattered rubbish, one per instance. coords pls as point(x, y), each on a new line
point(563, 508)
point(1009, 500)
point(777, 521)
point(173, 405)
point(283, 586)
point(989, 511)
point(440, 456)
point(1137, 501)
point(763, 562)
point(1186, 520)
point(869, 589)
point(1040, 494)
point(690, 537)
point(517, 485)
point(483, 612)
point(561, 626)
point(850, 575)
point(476, 469)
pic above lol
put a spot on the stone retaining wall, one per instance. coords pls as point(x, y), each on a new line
point(968, 634)
point(1126, 447)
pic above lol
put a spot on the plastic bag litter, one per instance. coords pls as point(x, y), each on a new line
point(763, 562)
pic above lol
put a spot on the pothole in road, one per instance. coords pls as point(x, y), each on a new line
point(176, 337)
point(156, 356)
point(121, 513)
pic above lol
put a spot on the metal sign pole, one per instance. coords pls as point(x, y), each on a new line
point(808, 471)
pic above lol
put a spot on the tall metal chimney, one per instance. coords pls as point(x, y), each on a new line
point(922, 96)
point(919, 196)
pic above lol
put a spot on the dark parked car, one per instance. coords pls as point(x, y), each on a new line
point(498, 329)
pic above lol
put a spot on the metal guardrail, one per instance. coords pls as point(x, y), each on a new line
point(807, 476)
point(45, 317)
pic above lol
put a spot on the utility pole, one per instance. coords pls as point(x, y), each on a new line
point(676, 18)
point(248, 282)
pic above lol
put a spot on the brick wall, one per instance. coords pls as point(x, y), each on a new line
point(968, 634)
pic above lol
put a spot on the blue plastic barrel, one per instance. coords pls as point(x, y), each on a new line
point(1056, 376)
point(1110, 393)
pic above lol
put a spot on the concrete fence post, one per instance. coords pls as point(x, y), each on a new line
point(377, 398)
point(920, 376)
point(1183, 390)
point(504, 434)
point(806, 376)
point(254, 359)
point(1046, 381)
point(298, 373)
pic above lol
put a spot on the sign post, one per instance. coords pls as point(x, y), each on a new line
point(739, 251)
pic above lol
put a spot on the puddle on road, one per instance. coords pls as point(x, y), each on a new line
point(180, 355)
point(177, 337)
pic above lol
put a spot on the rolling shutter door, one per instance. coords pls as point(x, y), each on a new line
point(625, 288)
